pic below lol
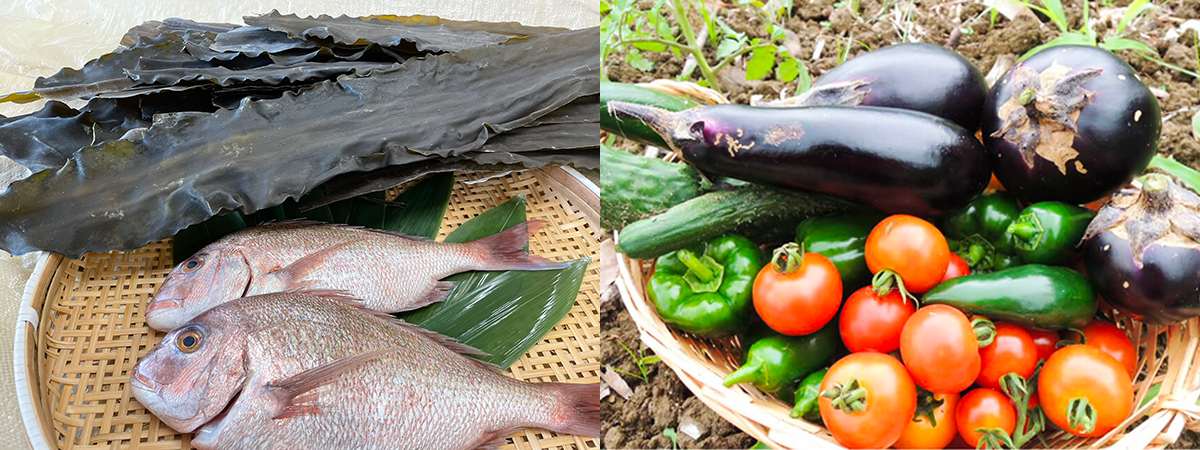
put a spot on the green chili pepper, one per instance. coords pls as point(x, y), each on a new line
point(707, 291)
point(775, 361)
point(843, 239)
point(1048, 232)
point(1035, 295)
point(808, 394)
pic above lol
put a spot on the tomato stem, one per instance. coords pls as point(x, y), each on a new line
point(1029, 422)
point(883, 282)
point(993, 438)
point(985, 331)
point(927, 405)
point(1081, 415)
point(788, 258)
point(849, 397)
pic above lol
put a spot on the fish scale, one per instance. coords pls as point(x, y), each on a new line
point(420, 394)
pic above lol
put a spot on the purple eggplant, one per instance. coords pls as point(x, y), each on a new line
point(919, 77)
point(1072, 124)
point(1142, 251)
point(894, 160)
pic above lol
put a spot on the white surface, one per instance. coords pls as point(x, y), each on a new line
point(42, 36)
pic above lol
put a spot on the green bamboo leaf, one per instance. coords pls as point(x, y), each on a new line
point(425, 207)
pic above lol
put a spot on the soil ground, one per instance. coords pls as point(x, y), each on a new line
point(663, 402)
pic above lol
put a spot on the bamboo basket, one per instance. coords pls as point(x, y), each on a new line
point(80, 329)
point(702, 363)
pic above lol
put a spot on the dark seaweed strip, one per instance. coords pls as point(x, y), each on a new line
point(272, 74)
point(256, 41)
point(187, 167)
point(156, 28)
point(416, 33)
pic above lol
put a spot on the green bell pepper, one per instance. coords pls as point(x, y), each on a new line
point(808, 394)
point(777, 360)
point(1048, 232)
point(988, 217)
point(843, 239)
point(707, 291)
point(1035, 295)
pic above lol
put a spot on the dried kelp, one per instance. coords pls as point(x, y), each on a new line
point(187, 166)
point(412, 33)
point(270, 74)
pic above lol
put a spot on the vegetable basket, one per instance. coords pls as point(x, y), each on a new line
point(701, 364)
point(81, 326)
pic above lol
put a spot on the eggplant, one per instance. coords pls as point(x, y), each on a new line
point(914, 76)
point(1142, 251)
point(1072, 124)
point(894, 160)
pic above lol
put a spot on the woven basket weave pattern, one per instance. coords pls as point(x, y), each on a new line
point(92, 331)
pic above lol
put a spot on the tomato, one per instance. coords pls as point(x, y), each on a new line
point(1012, 350)
point(984, 408)
point(889, 400)
point(871, 322)
point(1110, 339)
point(1088, 373)
point(940, 350)
point(921, 432)
point(799, 301)
point(911, 248)
point(956, 268)
point(1046, 342)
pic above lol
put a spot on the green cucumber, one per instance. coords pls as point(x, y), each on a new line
point(632, 129)
point(636, 187)
point(761, 213)
point(1035, 295)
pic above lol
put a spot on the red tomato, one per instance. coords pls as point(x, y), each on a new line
point(912, 248)
point(871, 322)
point(939, 348)
point(1110, 339)
point(1046, 341)
point(799, 302)
point(984, 408)
point(889, 400)
point(921, 432)
point(1085, 372)
point(1012, 350)
point(956, 268)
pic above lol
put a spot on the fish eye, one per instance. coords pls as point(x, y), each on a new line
point(193, 264)
point(188, 341)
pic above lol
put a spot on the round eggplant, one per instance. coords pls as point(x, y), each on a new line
point(1071, 123)
point(919, 77)
point(1142, 251)
point(894, 160)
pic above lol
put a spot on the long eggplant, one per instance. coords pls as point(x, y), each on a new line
point(915, 76)
point(894, 160)
point(1072, 124)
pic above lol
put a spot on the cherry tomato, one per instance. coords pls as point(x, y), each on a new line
point(871, 322)
point(1012, 350)
point(984, 408)
point(1088, 373)
point(912, 248)
point(801, 301)
point(1046, 342)
point(956, 268)
point(921, 432)
point(940, 350)
point(1110, 339)
point(889, 400)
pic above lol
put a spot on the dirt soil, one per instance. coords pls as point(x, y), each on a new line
point(663, 401)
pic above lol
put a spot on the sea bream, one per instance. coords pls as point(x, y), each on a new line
point(297, 370)
point(391, 272)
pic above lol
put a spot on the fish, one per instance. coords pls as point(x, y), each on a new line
point(318, 370)
point(391, 272)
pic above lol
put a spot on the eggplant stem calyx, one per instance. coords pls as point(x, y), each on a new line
point(788, 258)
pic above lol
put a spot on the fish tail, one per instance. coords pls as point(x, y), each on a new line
point(578, 409)
point(506, 250)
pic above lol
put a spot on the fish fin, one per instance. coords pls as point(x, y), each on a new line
point(295, 392)
point(292, 275)
point(441, 339)
point(506, 249)
point(578, 409)
point(439, 292)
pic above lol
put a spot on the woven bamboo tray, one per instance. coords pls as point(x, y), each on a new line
point(81, 327)
point(702, 363)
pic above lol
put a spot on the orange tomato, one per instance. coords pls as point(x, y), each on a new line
point(984, 408)
point(939, 347)
point(1113, 341)
point(1012, 351)
point(798, 302)
point(922, 432)
point(1046, 342)
point(872, 323)
point(1084, 372)
point(889, 400)
point(912, 248)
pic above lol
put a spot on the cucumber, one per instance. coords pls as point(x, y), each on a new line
point(635, 187)
point(760, 213)
point(632, 129)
